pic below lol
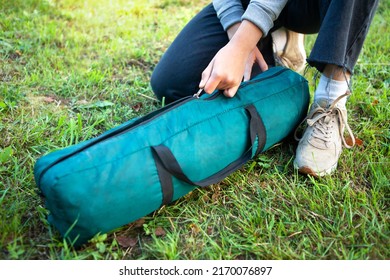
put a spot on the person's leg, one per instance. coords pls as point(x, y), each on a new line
point(299, 17)
point(344, 26)
point(178, 73)
point(289, 49)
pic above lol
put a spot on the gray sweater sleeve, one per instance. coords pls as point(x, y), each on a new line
point(262, 13)
point(228, 12)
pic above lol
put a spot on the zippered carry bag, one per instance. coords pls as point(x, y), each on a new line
point(130, 171)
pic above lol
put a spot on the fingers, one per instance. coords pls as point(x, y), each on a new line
point(260, 60)
point(255, 57)
point(227, 69)
point(248, 70)
point(231, 91)
point(206, 74)
point(226, 83)
point(211, 80)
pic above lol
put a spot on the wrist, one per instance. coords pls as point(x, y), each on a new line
point(246, 35)
point(232, 30)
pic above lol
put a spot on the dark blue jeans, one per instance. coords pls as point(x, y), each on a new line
point(342, 26)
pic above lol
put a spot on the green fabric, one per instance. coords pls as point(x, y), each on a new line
point(101, 184)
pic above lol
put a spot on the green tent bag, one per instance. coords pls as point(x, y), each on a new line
point(132, 170)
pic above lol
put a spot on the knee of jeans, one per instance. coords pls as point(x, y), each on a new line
point(167, 89)
point(160, 86)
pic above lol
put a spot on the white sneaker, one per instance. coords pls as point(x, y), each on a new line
point(289, 49)
point(320, 147)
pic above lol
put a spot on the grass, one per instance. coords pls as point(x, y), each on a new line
point(70, 70)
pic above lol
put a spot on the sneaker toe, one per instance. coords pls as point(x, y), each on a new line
point(315, 163)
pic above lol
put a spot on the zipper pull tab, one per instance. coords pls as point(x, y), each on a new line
point(196, 95)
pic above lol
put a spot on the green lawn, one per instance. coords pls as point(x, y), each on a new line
point(70, 70)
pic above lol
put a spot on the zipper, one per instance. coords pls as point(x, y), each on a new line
point(143, 120)
point(244, 84)
point(250, 82)
point(148, 118)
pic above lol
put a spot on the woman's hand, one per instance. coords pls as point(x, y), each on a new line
point(234, 61)
point(254, 57)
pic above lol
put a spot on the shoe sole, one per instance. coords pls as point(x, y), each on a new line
point(308, 171)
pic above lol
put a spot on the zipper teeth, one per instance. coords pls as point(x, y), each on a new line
point(264, 78)
point(170, 108)
point(121, 131)
point(132, 126)
point(247, 83)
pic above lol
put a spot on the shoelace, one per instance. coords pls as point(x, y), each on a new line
point(320, 119)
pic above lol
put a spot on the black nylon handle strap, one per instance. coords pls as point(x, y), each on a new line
point(256, 129)
point(168, 165)
point(165, 180)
